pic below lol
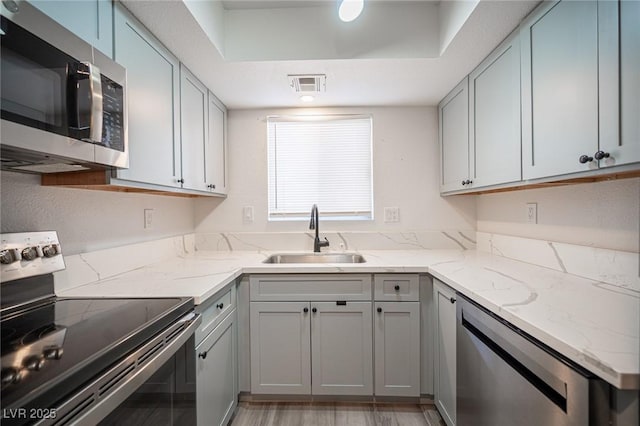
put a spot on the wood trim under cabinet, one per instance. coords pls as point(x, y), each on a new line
point(101, 180)
point(517, 186)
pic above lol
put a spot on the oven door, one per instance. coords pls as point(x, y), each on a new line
point(168, 397)
point(155, 385)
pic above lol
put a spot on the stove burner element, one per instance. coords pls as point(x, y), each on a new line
point(37, 334)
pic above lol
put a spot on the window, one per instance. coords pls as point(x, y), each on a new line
point(323, 160)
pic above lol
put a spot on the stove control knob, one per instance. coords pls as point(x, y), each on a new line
point(53, 352)
point(34, 362)
point(50, 250)
point(8, 256)
point(10, 375)
point(29, 253)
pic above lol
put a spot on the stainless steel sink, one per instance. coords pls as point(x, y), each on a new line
point(316, 258)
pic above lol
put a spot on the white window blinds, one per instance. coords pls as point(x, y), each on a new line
point(320, 160)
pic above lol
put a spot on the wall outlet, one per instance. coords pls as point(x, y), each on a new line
point(532, 213)
point(148, 218)
point(247, 214)
point(391, 214)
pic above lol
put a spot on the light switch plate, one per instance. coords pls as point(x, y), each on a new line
point(391, 214)
point(532, 212)
point(148, 218)
point(247, 214)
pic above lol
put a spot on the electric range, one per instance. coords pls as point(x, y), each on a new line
point(73, 360)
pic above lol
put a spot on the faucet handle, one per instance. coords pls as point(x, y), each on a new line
point(324, 243)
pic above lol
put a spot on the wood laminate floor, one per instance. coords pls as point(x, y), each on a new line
point(334, 414)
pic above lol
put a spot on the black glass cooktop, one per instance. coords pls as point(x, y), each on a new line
point(88, 334)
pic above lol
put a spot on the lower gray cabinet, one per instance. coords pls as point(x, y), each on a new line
point(315, 334)
point(445, 351)
point(216, 366)
point(341, 348)
point(397, 348)
point(280, 348)
point(295, 344)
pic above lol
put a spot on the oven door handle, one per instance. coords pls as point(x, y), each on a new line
point(109, 390)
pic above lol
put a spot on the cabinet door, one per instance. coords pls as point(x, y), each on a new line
point(341, 344)
point(397, 348)
point(559, 88)
point(629, 145)
point(620, 66)
point(194, 116)
point(445, 352)
point(454, 138)
point(153, 90)
point(216, 155)
point(91, 20)
point(280, 348)
point(216, 365)
point(494, 118)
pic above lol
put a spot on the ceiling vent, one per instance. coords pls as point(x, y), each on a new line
point(308, 83)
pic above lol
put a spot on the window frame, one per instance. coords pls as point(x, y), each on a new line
point(366, 216)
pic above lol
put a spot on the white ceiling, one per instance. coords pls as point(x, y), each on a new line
point(381, 76)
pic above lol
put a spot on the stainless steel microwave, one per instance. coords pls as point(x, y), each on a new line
point(63, 102)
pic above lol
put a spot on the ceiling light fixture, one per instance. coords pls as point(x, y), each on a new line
point(349, 10)
point(307, 98)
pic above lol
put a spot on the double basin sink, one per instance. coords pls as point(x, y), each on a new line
point(316, 258)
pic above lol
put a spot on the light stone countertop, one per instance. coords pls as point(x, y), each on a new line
point(594, 324)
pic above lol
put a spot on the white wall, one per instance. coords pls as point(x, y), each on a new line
point(452, 16)
point(405, 175)
point(210, 16)
point(89, 220)
point(602, 214)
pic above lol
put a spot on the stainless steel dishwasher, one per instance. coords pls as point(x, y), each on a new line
point(506, 378)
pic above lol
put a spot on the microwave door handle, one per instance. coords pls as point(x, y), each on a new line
point(95, 86)
point(84, 99)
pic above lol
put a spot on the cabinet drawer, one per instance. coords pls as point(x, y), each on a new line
point(396, 287)
point(299, 287)
point(213, 313)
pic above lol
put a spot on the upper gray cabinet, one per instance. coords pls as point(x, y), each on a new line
point(153, 90)
point(494, 116)
point(455, 150)
point(194, 124)
point(91, 20)
point(619, 82)
point(216, 166)
point(559, 99)
point(628, 148)
point(203, 124)
point(580, 87)
point(559, 89)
